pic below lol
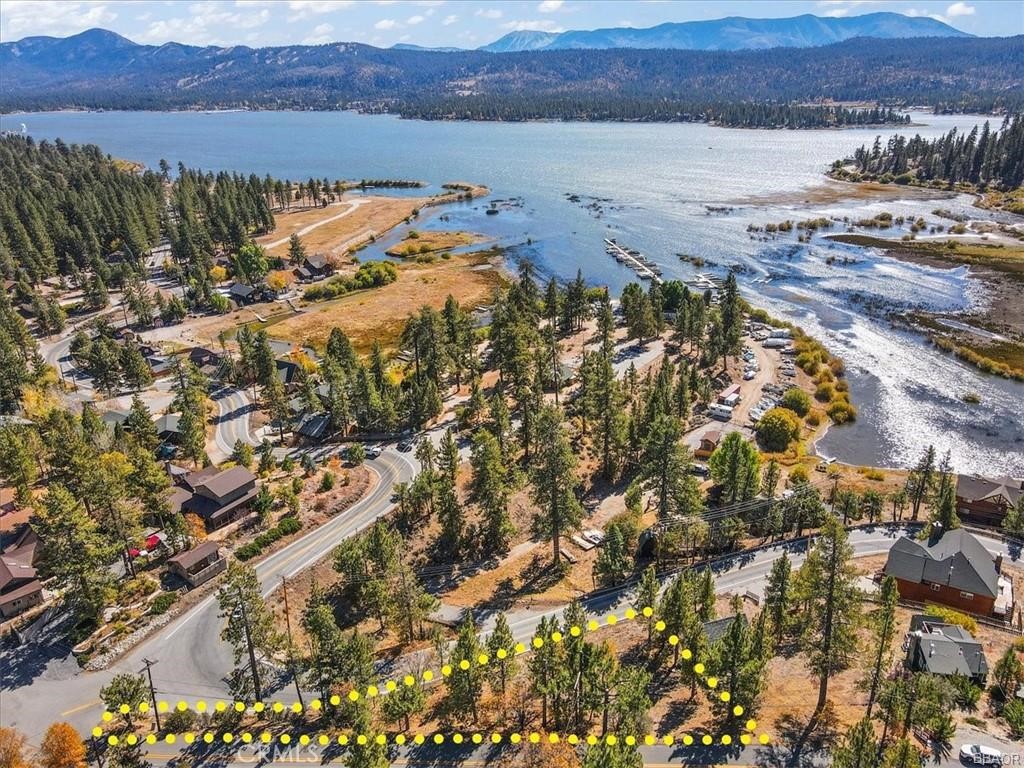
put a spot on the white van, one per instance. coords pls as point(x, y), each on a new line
point(721, 412)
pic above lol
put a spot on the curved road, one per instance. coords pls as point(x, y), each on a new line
point(43, 684)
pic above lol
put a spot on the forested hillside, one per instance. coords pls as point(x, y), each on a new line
point(98, 69)
point(641, 109)
point(981, 158)
point(63, 208)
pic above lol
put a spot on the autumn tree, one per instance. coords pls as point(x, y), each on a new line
point(62, 747)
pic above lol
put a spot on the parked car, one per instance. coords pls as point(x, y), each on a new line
point(976, 754)
point(406, 445)
point(749, 374)
point(373, 451)
point(701, 470)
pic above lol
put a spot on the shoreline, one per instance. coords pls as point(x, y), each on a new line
point(990, 338)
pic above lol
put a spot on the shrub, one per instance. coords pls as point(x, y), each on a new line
point(286, 527)
point(1013, 714)
point(777, 429)
point(179, 721)
point(798, 474)
point(814, 418)
point(357, 454)
point(326, 482)
point(162, 603)
point(796, 400)
point(824, 392)
point(840, 411)
point(952, 616)
point(808, 362)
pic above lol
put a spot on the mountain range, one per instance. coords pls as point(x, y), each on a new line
point(99, 69)
point(731, 34)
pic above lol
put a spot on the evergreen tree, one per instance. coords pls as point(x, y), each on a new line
point(490, 488)
point(553, 476)
point(833, 606)
point(860, 747)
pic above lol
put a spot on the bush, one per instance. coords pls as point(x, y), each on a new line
point(814, 418)
point(777, 429)
point(179, 721)
point(326, 482)
point(841, 412)
point(357, 454)
point(951, 616)
point(798, 474)
point(796, 400)
point(285, 527)
point(824, 392)
point(162, 603)
point(1013, 714)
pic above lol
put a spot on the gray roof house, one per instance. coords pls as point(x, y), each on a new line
point(948, 568)
point(944, 649)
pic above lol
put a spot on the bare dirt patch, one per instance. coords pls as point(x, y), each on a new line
point(381, 313)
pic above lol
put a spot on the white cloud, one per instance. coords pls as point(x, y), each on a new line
point(303, 9)
point(321, 34)
point(550, 6)
point(488, 13)
point(533, 25)
point(959, 9)
point(207, 23)
point(385, 24)
point(38, 17)
point(412, 21)
point(450, 19)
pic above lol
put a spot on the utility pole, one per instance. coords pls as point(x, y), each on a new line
point(252, 651)
point(291, 646)
point(152, 691)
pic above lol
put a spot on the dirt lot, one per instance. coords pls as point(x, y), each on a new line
point(342, 226)
point(380, 313)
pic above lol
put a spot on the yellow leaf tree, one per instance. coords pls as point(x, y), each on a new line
point(12, 749)
point(62, 747)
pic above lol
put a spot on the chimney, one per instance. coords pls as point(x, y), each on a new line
point(999, 563)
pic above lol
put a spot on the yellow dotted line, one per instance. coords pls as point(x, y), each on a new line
point(538, 642)
point(427, 676)
point(495, 737)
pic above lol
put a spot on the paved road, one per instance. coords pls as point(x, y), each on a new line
point(235, 408)
point(42, 683)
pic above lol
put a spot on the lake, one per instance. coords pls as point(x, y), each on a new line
point(665, 189)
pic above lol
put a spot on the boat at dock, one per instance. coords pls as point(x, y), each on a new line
point(644, 268)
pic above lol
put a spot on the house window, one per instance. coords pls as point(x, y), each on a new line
point(967, 595)
point(936, 587)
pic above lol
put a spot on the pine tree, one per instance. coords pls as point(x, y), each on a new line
point(666, 462)
point(860, 747)
point(553, 476)
point(490, 488)
point(613, 562)
point(920, 479)
point(465, 683)
point(501, 646)
point(734, 465)
point(833, 606)
point(884, 626)
point(296, 250)
point(778, 595)
point(249, 627)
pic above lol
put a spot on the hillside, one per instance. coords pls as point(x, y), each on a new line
point(732, 34)
point(98, 69)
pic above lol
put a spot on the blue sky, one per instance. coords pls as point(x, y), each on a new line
point(459, 23)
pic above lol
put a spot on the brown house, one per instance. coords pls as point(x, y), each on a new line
point(708, 442)
point(217, 496)
point(198, 565)
point(953, 569)
point(985, 502)
point(20, 588)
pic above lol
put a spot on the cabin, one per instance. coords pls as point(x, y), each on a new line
point(315, 267)
point(287, 372)
point(167, 427)
point(313, 426)
point(732, 393)
point(952, 568)
point(985, 501)
point(241, 293)
point(218, 497)
point(206, 361)
point(20, 588)
point(198, 565)
point(708, 443)
point(938, 648)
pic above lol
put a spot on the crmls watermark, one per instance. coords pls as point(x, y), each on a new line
point(276, 752)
